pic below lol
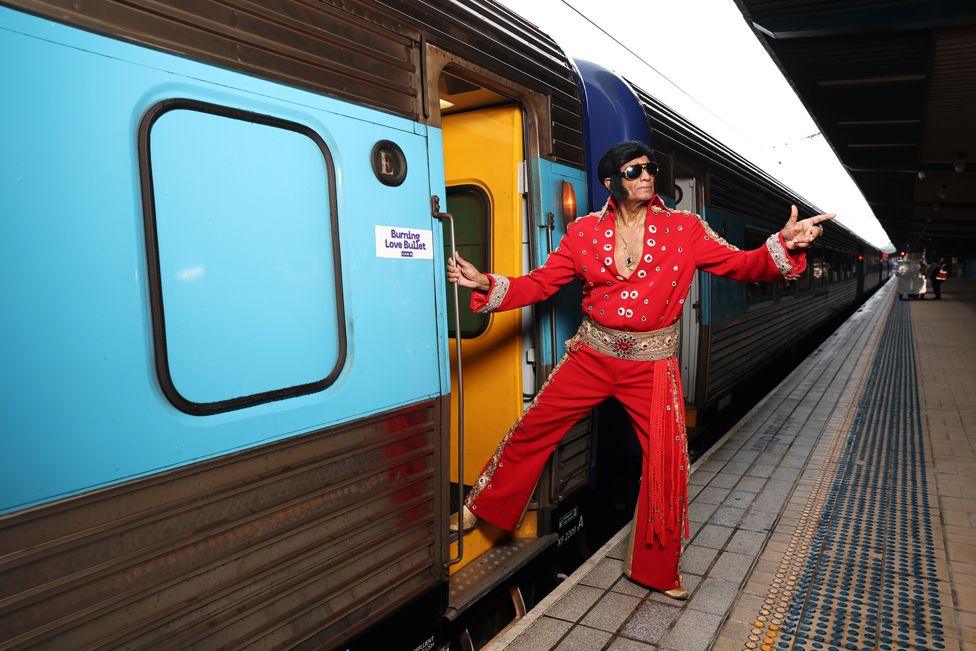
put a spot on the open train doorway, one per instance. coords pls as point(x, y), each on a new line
point(483, 146)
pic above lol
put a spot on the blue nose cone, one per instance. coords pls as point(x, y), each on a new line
point(612, 113)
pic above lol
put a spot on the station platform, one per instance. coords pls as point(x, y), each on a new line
point(839, 513)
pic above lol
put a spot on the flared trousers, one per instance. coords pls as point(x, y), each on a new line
point(583, 379)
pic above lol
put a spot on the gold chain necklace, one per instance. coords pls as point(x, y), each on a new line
point(631, 261)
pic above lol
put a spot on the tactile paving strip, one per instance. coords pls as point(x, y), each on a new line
point(861, 570)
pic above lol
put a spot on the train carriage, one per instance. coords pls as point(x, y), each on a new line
point(231, 376)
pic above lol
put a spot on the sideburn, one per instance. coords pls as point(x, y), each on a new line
point(617, 188)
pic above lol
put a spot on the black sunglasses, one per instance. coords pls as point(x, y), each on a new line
point(633, 172)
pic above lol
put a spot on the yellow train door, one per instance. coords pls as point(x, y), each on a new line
point(483, 149)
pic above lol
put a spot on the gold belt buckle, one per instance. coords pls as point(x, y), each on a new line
point(624, 346)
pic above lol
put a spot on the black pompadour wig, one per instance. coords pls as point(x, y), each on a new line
point(609, 166)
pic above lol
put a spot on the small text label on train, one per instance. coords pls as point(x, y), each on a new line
point(426, 645)
point(397, 242)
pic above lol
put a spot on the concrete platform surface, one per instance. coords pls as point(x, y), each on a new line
point(840, 513)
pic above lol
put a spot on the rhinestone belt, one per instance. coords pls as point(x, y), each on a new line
point(640, 346)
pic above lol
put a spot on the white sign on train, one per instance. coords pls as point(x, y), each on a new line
point(397, 242)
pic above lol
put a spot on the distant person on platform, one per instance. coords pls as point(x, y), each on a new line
point(938, 274)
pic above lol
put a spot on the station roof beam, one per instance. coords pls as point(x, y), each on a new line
point(892, 86)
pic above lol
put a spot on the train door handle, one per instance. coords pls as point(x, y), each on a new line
point(435, 205)
point(549, 227)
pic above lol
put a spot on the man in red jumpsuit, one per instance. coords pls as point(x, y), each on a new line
point(635, 259)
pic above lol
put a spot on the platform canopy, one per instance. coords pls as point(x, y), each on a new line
point(892, 86)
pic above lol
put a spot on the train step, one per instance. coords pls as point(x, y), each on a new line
point(491, 569)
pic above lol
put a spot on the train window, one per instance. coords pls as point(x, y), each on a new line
point(665, 177)
point(757, 292)
point(787, 287)
point(472, 223)
point(242, 237)
point(818, 265)
point(805, 281)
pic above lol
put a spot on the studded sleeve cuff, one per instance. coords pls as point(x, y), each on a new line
point(489, 300)
point(789, 263)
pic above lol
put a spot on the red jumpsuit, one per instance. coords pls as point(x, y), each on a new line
point(676, 243)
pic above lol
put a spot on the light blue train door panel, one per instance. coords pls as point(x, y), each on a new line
point(565, 304)
point(196, 262)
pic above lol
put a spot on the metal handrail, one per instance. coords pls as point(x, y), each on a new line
point(436, 205)
point(550, 227)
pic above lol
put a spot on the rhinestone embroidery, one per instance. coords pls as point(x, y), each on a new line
point(780, 258)
point(495, 460)
point(499, 289)
point(641, 346)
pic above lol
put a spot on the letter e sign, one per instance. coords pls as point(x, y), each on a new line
point(389, 163)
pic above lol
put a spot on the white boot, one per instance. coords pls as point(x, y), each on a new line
point(468, 520)
point(679, 594)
